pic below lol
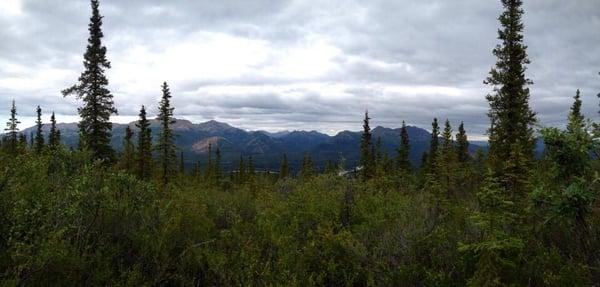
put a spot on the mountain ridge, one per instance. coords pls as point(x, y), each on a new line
point(266, 148)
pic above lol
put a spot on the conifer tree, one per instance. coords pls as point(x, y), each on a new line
point(218, 169)
point(576, 120)
point(128, 157)
point(433, 145)
point(209, 164)
point(54, 135)
point(366, 156)
point(95, 127)
point(404, 150)
point(308, 169)
point(144, 146)
point(284, 170)
point(181, 163)
point(165, 146)
point(511, 141)
point(447, 161)
point(39, 136)
point(241, 170)
point(462, 144)
point(12, 130)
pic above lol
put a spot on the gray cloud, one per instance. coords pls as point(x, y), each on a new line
point(266, 64)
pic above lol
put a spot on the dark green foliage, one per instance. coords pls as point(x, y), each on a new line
point(366, 150)
point(308, 169)
point(404, 150)
point(165, 146)
point(433, 144)
point(511, 140)
point(284, 170)
point(218, 168)
point(462, 144)
point(54, 135)
point(144, 146)
point(39, 136)
point(12, 130)
point(92, 87)
point(127, 161)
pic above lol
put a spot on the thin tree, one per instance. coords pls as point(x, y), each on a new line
point(462, 144)
point(218, 169)
point(95, 127)
point(511, 140)
point(128, 157)
point(433, 145)
point(404, 150)
point(165, 147)
point(12, 129)
point(284, 169)
point(144, 146)
point(39, 136)
point(366, 158)
point(54, 135)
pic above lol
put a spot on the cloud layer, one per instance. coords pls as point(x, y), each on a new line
point(266, 64)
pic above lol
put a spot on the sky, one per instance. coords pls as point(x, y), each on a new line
point(303, 64)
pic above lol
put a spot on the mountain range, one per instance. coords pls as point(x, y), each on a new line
point(265, 148)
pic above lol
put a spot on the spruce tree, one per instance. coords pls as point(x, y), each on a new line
point(511, 140)
point(366, 156)
point(128, 156)
point(576, 119)
point(218, 169)
point(433, 145)
point(209, 164)
point(446, 162)
point(12, 135)
point(241, 170)
point(165, 146)
point(284, 170)
point(144, 146)
point(54, 135)
point(462, 144)
point(95, 127)
point(39, 136)
point(181, 163)
point(308, 169)
point(404, 150)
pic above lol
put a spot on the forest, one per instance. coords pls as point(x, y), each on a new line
point(95, 216)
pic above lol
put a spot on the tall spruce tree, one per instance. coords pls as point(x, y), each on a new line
point(433, 145)
point(511, 140)
point(446, 162)
point(128, 156)
point(218, 169)
point(462, 144)
point(576, 118)
point(284, 169)
point(308, 169)
point(366, 156)
point(241, 170)
point(165, 146)
point(54, 135)
point(404, 150)
point(95, 127)
point(12, 129)
point(39, 136)
point(144, 146)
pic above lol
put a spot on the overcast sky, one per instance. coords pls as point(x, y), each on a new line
point(275, 65)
